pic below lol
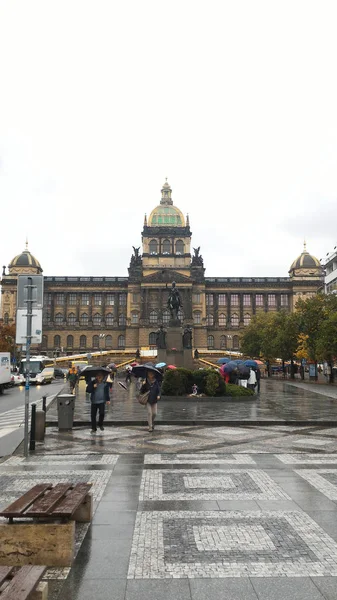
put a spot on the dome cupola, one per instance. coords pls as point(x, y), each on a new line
point(25, 263)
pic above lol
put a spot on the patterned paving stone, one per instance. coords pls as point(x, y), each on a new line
point(309, 441)
point(324, 480)
point(62, 459)
point(199, 459)
point(229, 544)
point(309, 459)
point(227, 484)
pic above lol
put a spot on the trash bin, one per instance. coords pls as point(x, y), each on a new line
point(65, 411)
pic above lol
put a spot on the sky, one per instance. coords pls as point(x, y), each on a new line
point(233, 101)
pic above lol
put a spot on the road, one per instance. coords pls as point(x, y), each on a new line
point(12, 412)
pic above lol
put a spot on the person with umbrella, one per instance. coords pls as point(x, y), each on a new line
point(150, 386)
point(98, 389)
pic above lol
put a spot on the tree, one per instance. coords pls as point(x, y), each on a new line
point(258, 340)
point(286, 337)
point(327, 342)
point(7, 338)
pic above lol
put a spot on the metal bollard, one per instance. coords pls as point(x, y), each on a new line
point(44, 403)
point(32, 429)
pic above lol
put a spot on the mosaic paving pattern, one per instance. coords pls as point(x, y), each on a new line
point(227, 484)
point(230, 544)
point(324, 480)
point(198, 459)
point(309, 459)
point(56, 459)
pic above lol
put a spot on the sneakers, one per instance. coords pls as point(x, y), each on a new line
point(93, 431)
point(101, 428)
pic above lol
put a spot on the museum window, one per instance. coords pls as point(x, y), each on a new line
point(109, 319)
point(153, 338)
point(209, 299)
point(210, 342)
point(122, 320)
point(72, 299)
point(47, 299)
point(46, 316)
point(108, 342)
point(234, 320)
point(135, 298)
point(222, 320)
point(284, 300)
point(197, 317)
point(95, 342)
point(6, 318)
point(134, 318)
point(71, 319)
point(222, 299)
point(153, 247)
point(85, 299)
point(209, 320)
point(180, 315)
point(59, 319)
point(97, 299)
point(223, 342)
point(153, 317)
point(97, 319)
point(83, 341)
point(122, 299)
point(57, 341)
point(166, 247)
point(44, 342)
point(196, 298)
point(70, 341)
point(271, 300)
point(236, 342)
point(166, 317)
point(84, 319)
point(59, 299)
point(246, 320)
point(121, 341)
point(259, 299)
point(234, 299)
point(246, 300)
point(110, 299)
point(180, 249)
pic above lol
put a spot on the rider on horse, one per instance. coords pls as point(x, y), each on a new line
point(174, 301)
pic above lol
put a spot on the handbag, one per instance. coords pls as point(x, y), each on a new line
point(143, 398)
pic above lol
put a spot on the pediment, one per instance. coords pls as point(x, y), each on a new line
point(166, 276)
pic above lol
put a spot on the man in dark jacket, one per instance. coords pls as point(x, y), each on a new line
point(99, 396)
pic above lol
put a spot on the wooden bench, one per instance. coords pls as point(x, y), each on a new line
point(47, 543)
point(23, 583)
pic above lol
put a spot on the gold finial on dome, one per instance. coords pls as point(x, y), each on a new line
point(166, 194)
point(305, 245)
point(26, 242)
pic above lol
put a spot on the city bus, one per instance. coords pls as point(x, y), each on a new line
point(36, 366)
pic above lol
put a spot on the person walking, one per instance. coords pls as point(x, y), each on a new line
point(72, 378)
point(151, 385)
point(258, 380)
point(252, 380)
point(98, 389)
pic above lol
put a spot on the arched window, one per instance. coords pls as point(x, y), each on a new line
point(57, 341)
point(122, 320)
point(222, 320)
point(209, 320)
point(246, 320)
point(70, 341)
point(83, 341)
point(234, 320)
point(6, 318)
point(197, 317)
point(180, 247)
point(95, 341)
point(59, 319)
point(153, 317)
point(109, 319)
point(153, 339)
point(121, 341)
point(223, 341)
point(153, 247)
point(166, 317)
point(97, 319)
point(210, 341)
point(134, 317)
point(108, 342)
point(236, 342)
point(84, 319)
point(166, 247)
point(71, 319)
point(44, 342)
point(181, 315)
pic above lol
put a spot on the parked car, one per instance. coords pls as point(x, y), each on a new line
point(46, 376)
point(18, 379)
point(60, 373)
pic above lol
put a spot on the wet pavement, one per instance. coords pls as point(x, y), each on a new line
point(198, 511)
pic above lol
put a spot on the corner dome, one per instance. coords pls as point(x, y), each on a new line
point(166, 214)
point(26, 261)
point(305, 261)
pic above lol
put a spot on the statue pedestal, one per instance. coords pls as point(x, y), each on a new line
point(174, 353)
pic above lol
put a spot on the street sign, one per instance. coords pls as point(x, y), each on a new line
point(37, 291)
point(21, 326)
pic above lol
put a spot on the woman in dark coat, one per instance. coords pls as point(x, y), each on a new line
point(151, 385)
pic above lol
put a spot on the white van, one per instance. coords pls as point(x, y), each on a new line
point(5, 371)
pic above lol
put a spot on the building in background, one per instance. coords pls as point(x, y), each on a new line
point(82, 314)
point(330, 279)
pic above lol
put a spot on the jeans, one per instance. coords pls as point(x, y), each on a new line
point(94, 408)
point(151, 413)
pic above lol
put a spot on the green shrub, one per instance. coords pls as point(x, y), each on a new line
point(237, 390)
point(179, 382)
point(174, 383)
point(212, 383)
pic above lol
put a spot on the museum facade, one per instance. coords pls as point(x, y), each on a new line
point(84, 314)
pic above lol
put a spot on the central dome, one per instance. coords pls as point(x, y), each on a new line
point(165, 214)
point(25, 260)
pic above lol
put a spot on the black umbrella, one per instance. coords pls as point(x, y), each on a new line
point(92, 371)
point(141, 370)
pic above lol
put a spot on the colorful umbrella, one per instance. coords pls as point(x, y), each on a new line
point(223, 361)
point(251, 363)
point(160, 365)
point(134, 364)
point(171, 367)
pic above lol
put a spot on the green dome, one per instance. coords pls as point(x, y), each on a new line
point(166, 216)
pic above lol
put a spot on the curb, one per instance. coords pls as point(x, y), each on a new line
point(215, 423)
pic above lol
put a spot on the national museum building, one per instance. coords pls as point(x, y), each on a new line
point(83, 314)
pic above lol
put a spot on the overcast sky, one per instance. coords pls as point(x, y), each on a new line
point(234, 101)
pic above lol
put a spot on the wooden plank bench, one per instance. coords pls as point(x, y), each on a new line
point(23, 583)
point(47, 543)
